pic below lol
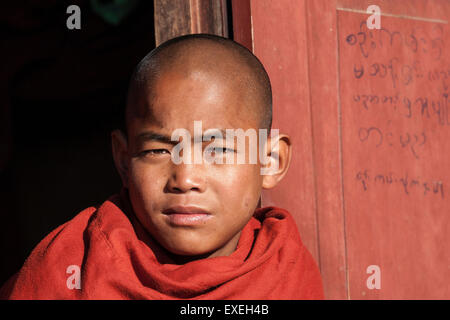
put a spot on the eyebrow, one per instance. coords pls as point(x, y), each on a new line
point(214, 132)
point(154, 136)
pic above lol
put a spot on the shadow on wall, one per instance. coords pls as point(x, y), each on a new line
point(64, 91)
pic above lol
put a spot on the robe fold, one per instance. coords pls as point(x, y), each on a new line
point(105, 253)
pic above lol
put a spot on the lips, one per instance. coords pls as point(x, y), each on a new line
point(186, 215)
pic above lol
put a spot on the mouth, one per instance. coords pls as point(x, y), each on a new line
point(186, 215)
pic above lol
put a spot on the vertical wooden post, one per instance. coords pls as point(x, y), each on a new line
point(242, 23)
point(177, 18)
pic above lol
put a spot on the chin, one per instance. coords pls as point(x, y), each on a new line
point(189, 249)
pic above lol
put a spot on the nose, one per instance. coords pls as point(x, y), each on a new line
point(185, 178)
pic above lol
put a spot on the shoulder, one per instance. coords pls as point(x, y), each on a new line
point(49, 260)
point(67, 235)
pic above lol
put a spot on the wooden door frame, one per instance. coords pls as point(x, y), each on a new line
point(177, 18)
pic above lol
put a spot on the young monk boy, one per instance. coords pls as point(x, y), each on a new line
point(183, 230)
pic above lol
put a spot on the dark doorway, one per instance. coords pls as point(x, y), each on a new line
point(63, 92)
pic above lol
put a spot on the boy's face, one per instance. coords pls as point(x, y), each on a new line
point(191, 209)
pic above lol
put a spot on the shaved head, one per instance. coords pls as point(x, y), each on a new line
point(226, 61)
point(214, 92)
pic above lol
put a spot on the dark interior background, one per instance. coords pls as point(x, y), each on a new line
point(62, 92)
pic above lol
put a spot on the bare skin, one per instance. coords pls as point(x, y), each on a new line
point(229, 193)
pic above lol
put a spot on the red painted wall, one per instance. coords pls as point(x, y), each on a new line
point(369, 114)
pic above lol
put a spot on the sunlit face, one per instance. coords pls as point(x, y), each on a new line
point(191, 209)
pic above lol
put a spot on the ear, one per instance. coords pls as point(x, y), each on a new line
point(278, 151)
point(120, 154)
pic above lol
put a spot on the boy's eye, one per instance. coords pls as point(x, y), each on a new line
point(219, 150)
point(155, 152)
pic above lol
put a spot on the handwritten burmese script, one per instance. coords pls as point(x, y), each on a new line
point(395, 106)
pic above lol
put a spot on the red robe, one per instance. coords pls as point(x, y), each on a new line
point(118, 260)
